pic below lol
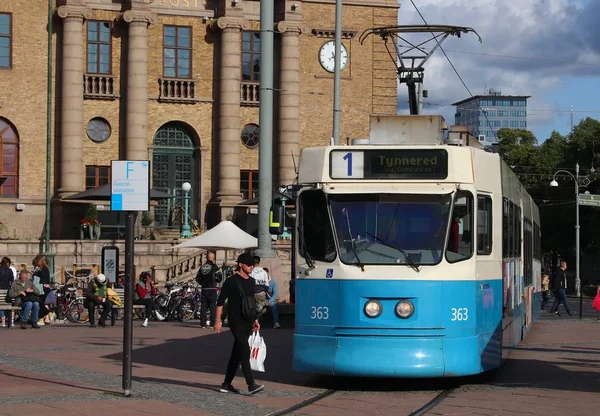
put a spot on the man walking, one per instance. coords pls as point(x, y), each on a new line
point(208, 276)
point(239, 293)
point(560, 285)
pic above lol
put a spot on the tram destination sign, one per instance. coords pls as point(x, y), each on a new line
point(388, 164)
point(589, 200)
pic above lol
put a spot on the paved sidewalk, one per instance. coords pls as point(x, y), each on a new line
point(178, 368)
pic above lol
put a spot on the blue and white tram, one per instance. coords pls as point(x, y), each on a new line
point(413, 260)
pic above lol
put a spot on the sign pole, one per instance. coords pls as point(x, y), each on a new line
point(128, 319)
point(129, 193)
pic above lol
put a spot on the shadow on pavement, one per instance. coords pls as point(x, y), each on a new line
point(21, 377)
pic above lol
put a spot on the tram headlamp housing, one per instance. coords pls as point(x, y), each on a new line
point(373, 308)
point(405, 309)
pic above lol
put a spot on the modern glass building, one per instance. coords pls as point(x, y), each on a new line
point(484, 115)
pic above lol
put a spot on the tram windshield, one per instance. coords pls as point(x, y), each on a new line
point(391, 228)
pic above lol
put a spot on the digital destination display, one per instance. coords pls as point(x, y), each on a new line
point(389, 164)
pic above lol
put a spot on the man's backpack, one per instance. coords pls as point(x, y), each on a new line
point(249, 306)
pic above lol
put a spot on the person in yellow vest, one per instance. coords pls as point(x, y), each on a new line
point(97, 294)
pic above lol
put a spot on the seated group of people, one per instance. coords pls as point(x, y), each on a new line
point(97, 294)
point(27, 290)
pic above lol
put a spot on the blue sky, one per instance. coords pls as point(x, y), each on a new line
point(549, 49)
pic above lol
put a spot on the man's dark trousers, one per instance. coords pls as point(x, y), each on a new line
point(240, 353)
point(106, 307)
point(561, 297)
point(208, 300)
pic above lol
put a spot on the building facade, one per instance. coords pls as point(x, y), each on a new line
point(174, 82)
point(486, 114)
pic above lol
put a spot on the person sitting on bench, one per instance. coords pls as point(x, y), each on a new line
point(96, 295)
point(144, 294)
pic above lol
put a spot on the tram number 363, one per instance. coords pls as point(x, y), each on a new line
point(460, 314)
point(319, 312)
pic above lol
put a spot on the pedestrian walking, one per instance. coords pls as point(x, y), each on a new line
point(238, 291)
point(560, 285)
point(208, 276)
point(273, 294)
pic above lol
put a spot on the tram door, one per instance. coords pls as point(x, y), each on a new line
point(173, 164)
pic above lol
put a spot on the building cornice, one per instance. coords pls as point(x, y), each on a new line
point(330, 33)
point(392, 4)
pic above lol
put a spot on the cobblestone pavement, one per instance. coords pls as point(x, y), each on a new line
point(178, 368)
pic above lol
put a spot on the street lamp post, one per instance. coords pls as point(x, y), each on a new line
point(584, 183)
point(186, 230)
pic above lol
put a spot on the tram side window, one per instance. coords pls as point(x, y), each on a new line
point(511, 229)
point(316, 235)
point(537, 246)
point(460, 237)
point(484, 225)
point(518, 231)
point(505, 228)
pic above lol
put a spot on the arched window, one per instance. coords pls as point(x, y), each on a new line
point(9, 159)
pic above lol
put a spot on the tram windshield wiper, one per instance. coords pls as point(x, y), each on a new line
point(409, 262)
point(309, 260)
point(352, 245)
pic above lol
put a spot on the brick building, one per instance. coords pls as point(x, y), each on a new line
point(174, 82)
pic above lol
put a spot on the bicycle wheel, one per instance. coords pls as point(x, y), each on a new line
point(187, 309)
point(140, 313)
point(161, 304)
point(78, 313)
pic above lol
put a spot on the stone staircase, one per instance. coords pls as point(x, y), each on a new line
point(168, 234)
point(179, 271)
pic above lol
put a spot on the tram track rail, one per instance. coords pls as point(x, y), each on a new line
point(440, 397)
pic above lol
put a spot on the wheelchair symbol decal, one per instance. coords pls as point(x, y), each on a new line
point(329, 274)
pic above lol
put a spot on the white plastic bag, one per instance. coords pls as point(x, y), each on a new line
point(258, 352)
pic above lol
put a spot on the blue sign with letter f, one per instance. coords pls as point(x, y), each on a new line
point(129, 169)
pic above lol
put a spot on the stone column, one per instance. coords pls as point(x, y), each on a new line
point(229, 129)
point(71, 105)
point(136, 104)
point(289, 100)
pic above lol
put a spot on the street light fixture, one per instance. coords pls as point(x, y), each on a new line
point(578, 184)
point(186, 230)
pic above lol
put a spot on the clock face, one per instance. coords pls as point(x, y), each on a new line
point(327, 56)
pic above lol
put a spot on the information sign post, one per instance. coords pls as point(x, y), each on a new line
point(129, 192)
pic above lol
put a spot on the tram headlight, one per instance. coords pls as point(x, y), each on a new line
point(405, 309)
point(373, 308)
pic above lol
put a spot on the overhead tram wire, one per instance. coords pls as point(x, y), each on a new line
point(524, 58)
point(452, 65)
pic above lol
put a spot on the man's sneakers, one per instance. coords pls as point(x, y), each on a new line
point(255, 388)
point(228, 388)
point(276, 326)
point(145, 324)
point(252, 389)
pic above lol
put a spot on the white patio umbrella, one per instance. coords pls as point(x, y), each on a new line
point(225, 236)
